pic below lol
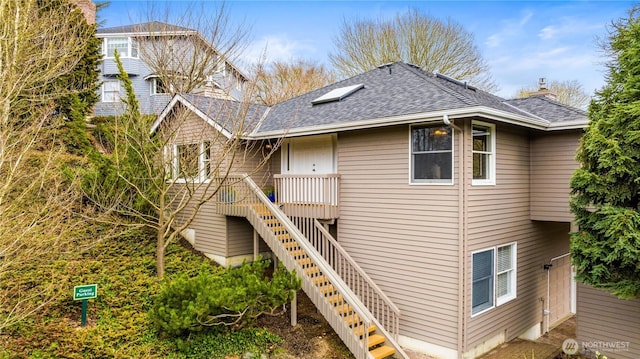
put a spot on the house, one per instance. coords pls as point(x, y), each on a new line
point(153, 51)
point(423, 214)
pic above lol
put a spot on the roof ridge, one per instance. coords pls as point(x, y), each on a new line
point(431, 77)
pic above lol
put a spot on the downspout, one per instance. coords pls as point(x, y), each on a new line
point(461, 236)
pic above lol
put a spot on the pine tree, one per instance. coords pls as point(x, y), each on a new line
point(606, 189)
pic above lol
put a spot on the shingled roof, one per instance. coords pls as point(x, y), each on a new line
point(147, 27)
point(401, 93)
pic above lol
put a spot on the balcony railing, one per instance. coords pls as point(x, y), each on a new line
point(310, 196)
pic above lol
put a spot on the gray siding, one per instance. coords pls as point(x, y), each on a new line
point(404, 236)
point(500, 215)
point(552, 165)
point(603, 318)
point(239, 237)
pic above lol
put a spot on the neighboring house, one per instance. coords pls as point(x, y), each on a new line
point(133, 43)
point(422, 213)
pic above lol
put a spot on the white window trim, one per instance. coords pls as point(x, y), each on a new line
point(412, 182)
point(154, 87)
point(497, 301)
point(102, 95)
point(130, 41)
point(202, 161)
point(491, 181)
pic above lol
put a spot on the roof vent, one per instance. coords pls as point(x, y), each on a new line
point(337, 94)
point(454, 81)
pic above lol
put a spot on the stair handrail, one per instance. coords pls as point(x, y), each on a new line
point(353, 300)
point(364, 276)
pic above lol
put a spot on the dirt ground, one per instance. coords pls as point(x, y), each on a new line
point(312, 338)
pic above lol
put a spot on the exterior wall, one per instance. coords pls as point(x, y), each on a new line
point(404, 236)
point(500, 214)
point(552, 165)
point(216, 234)
point(604, 320)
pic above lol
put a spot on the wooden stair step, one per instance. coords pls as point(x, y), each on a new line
point(319, 280)
point(359, 330)
point(327, 289)
point(375, 339)
point(311, 271)
point(305, 261)
point(291, 245)
point(344, 309)
point(298, 253)
point(336, 298)
point(284, 237)
point(352, 319)
point(382, 352)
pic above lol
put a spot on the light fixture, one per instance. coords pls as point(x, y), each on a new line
point(440, 132)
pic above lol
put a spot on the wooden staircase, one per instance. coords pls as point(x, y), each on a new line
point(376, 347)
point(350, 318)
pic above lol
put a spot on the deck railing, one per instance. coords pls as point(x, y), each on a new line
point(239, 195)
point(352, 274)
point(312, 196)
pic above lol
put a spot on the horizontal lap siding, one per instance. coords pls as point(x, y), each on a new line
point(404, 236)
point(552, 165)
point(601, 317)
point(240, 237)
point(500, 215)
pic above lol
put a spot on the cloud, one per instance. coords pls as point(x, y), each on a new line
point(273, 48)
point(511, 28)
point(567, 27)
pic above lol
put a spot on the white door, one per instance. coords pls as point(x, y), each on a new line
point(308, 155)
point(313, 155)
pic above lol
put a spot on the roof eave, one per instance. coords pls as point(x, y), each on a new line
point(479, 111)
point(178, 98)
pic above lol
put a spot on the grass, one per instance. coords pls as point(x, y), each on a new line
point(118, 327)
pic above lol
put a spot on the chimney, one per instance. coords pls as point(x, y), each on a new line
point(88, 9)
point(543, 90)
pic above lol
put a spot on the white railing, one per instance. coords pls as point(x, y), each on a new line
point(239, 195)
point(308, 195)
point(352, 274)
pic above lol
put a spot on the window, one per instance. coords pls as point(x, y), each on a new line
point(157, 86)
point(192, 161)
point(483, 153)
point(431, 154)
point(493, 277)
point(126, 46)
point(111, 91)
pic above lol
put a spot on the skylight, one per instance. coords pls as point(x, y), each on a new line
point(337, 94)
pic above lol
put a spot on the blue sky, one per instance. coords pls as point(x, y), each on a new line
point(520, 40)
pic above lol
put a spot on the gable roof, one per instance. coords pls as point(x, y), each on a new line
point(400, 93)
point(227, 116)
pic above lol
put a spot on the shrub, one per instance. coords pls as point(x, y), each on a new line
point(232, 300)
point(210, 346)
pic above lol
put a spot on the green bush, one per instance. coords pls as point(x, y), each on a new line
point(229, 301)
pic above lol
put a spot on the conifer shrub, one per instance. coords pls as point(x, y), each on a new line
point(225, 302)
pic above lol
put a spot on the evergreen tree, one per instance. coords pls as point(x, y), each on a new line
point(606, 247)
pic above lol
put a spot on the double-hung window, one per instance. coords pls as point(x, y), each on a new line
point(111, 91)
point(431, 154)
point(493, 277)
point(483, 153)
point(126, 46)
point(157, 86)
point(192, 161)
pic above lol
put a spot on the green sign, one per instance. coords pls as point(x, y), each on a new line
point(85, 291)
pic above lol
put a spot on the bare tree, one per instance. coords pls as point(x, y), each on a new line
point(568, 92)
point(281, 81)
point(434, 45)
point(195, 50)
point(41, 43)
point(161, 180)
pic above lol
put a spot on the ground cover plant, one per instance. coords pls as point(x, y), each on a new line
point(118, 325)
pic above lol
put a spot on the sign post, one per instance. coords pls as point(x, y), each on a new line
point(84, 293)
